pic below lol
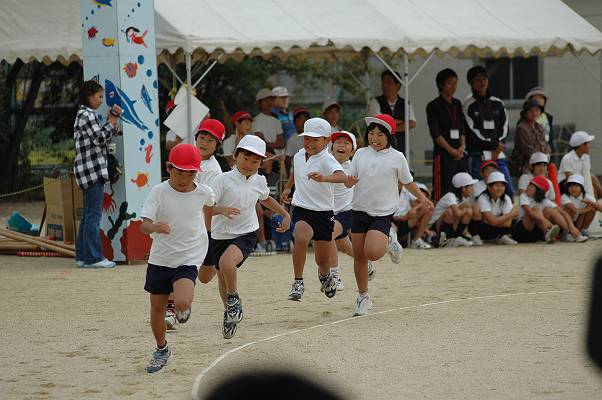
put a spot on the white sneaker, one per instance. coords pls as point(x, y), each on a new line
point(79, 264)
point(420, 244)
point(371, 270)
point(170, 320)
point(363, 305)
point(460, 241)
point(101, 264)
point(581, 239)
point(507, 240)
point(477, 241)
point(395, 250)
point(337, 278)
point(452, 242)
point(551, 234)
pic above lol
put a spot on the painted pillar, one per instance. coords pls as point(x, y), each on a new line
point(118, 38)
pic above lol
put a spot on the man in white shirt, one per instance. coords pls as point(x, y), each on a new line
point(265, 125)
point(331, 110)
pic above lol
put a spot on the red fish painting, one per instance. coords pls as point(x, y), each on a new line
point(130, 69)
point(133, 34)
point(149, 153)
point(92, 32)
point(141, 180)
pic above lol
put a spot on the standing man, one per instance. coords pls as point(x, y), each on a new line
point(447, 128)
point(281, 112)
point(265, 125)
point(487, 122)
point(331, 111)
point(391, 104)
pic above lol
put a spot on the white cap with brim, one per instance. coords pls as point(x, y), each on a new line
point(580, 137)
point(462, 179)
point(316, 127)
point(264, 94)
point(496, 177)
point(346, 134)
point(576, 178)
point(537, 158)
point(423, 187)
point(280, 91)
point(252, 143)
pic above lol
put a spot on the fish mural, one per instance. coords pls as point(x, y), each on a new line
point(103, 3)
point(141, 180)
point(108, 42)
point(115, 96)
point(149, 153)
point(130, 69)
point(146, 99)
point(92, 32)
point(132, 34)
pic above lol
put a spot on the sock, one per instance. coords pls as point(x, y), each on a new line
point(232, 296)
point(299, 280)
point(364, 294)
point(334, 270)
point(473, 227)
point(461, 228)
point(162, 347)
point(171, 305)
point(448, 229)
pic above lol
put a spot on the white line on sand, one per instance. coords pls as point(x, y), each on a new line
point(197, 382)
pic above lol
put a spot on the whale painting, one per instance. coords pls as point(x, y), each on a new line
point(116, 96)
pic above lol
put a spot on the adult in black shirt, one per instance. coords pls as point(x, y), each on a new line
point(447, 128)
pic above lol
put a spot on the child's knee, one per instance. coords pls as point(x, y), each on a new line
point(183, 304)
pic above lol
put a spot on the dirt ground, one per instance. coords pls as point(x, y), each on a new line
point(70, 333)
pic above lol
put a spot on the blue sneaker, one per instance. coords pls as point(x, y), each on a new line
point(233, 310)
point(159, 360)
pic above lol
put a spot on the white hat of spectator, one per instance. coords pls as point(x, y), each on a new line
point(576, 178)
point(536, 91)
point(462, 179)
point(316, 127)
point(329, 103)
point(346, 134)
point(496, 177)
point(264, 94)
point(280, 91)
point(422, 186)
point(580, 137)
point(537, 158)
point(252, 143)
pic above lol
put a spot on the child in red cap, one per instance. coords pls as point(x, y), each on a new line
point(173, 215)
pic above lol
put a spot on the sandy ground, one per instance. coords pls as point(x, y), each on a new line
point(72, 334)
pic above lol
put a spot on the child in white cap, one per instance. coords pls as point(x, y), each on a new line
point(411, 217)
point(315, 170)
point(375, 172)
point(579, 205)
point(497, 210)
point(538, 165)
point(578, 161)
point(235, 225)
point(453, 212)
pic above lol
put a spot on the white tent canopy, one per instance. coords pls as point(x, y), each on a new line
point(50, 30)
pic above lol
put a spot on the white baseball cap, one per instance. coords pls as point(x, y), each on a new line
point(422, 186)
point(263, 94)
point(537, 158)
point(252, 143)
point(316, 127)
point(329, 103)
point(346, 134)
point(580, 137)
point(496, 177)
point(462, 179)
point(280, 91)
point(576, 178)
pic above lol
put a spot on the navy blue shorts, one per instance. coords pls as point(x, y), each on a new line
point(345, 218)
point(246, 244)
point(522, 235)
point(159, 279)
point(209, 261)
point(362, 223)
point(321, 222)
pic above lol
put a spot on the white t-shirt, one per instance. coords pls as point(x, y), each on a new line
point(448, 200)
point(477, 189)
point(575, 165)
point(497, 208)
point(209, 170)
point(343, 196)
point(525, 200)
point(378, 173)
point(269, 126)
point(576, 201)
point(233, 189)
point(309, 194)
point(188, 242)
point(293, 145)
point(405, 203)
point(374, 108)
point(525, 179)
point(229, 145)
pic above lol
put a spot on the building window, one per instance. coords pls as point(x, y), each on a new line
point(511, 79)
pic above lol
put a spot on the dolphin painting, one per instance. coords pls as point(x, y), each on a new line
point(146, 99)
point(114, 95)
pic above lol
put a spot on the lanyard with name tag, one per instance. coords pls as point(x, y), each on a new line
point(454, 134)
point(488, 124)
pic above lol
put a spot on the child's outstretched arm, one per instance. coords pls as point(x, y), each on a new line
point(337, 177)
point(284, 196)
point(413, 189)
point(147, 227)
point(271, 204)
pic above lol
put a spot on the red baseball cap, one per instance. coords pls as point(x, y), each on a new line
point(541, 182)
point(301, 110)
point(240, 115)
point(344, 134)
point(169, 106)
point(214, 127)
point(384, 120)
point(186, 157)
point(489, 162)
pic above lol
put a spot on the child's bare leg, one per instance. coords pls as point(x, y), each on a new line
point(556, 218)
point(183, 293)
point(375, 245)
point(586, 219)
point(206, 273)
point(158, 302)
point(344, 246)
point(529, 223)
point(421, 223)
point(227, 265)
point(334, 256)
point(303, 234)
point(223, 293)
point(476, 212)
point(323, 251)
point(360, 261)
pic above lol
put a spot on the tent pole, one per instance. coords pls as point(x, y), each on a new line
point(189, 96)
point(173, 73)
point(421, 68)
point(406, 97)
point(395, 74)
point(207, 70)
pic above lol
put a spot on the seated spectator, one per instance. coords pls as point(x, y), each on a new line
point(265, 244)
point(411, 218)
point(331, 110)
point(579, 205)
point(577, 161)
point(538, 166)
point(242, 121)
point(529, 137)
point(295, 142)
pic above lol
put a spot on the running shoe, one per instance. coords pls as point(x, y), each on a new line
point(581, 239)
point(297, 290)
point(371, 270)
point(461, 241)
point(476, 240)
point(170, 319)
point(229, 329)
point(337, 278)
point(420, 244)
point(159, 360)
point(182, 316)
point(551, 234)
point(233, 310)
point(395, 250)
point(329, 284)
point(507, 240)
point(449, 243)
point(363, 305)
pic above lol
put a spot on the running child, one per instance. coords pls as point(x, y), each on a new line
point(412, 218)
point(235, 225)
point(453, 212)
point(497, 210)
point(314, 172)
point(173, 214)
point(375, 172)
point(579, 205)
